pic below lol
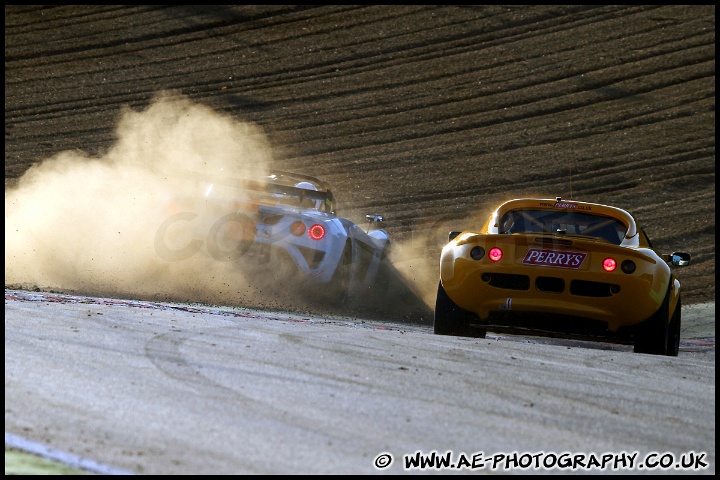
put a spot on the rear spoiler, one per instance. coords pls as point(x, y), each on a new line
point(280, 182)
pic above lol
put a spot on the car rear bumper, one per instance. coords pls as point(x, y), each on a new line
point(615, 300)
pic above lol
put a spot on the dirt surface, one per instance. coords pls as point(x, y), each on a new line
point(426, 114)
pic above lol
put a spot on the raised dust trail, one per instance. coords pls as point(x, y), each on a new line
point(89, 224)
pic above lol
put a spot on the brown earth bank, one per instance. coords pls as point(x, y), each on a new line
point(427, 114)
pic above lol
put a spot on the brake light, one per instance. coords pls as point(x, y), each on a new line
point(495, 254)
point(316, 232)
point(609, 264)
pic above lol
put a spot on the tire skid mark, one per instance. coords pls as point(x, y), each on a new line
point(163, 351)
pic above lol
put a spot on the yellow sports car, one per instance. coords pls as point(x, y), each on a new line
point(554, 266)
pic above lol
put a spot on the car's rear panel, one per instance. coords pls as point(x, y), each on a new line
point(316, 255)
point(561, 275)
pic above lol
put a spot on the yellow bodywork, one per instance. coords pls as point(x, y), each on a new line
point(574, 285)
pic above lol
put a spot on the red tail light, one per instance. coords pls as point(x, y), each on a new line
point(316, 232)
point(609, 264)
point(495, 254)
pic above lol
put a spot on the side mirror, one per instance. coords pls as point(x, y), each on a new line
point(679, 259)
point(373, 219)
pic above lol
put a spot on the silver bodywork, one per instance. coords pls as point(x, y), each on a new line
point(287, 224)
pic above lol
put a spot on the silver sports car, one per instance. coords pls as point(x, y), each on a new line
point(283, 226)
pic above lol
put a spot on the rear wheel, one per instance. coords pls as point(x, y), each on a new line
point(338, 292)
point(652, 335)
point(450, 319)
point(673, 342)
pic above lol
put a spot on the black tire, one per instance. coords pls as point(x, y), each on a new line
point(673, 341)
point(450, 319)
point(338, 292)
point(652, 336)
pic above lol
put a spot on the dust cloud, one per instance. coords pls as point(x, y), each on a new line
point(417, 255)
point(90, 224)
point(127, 223)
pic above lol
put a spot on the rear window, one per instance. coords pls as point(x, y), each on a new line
point(569, 222)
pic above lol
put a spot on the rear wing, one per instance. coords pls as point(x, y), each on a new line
point(278, 182)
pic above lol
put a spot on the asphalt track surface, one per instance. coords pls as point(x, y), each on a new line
point(154, 388)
